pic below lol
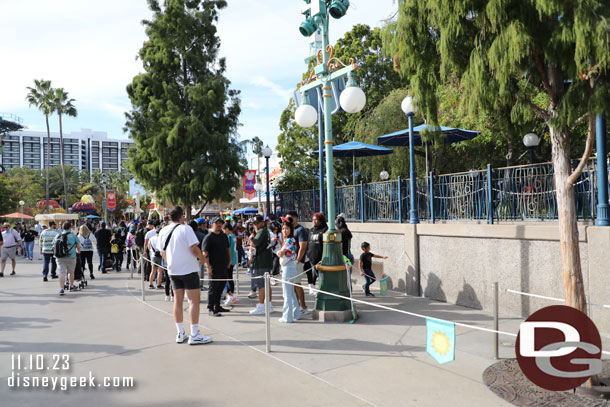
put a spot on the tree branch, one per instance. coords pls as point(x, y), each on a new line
point(543, 78)
point(585, 156)
point(538, 111)
point(580, 119)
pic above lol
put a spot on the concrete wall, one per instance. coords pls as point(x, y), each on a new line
point(458, 262)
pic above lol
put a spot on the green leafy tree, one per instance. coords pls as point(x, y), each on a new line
point(184, 115)
point(507, 54)
point(63, 105)
point(25, 184)
point(8, 203)
point(40, 96)
point(64, 184)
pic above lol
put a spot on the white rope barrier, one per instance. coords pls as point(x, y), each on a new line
point(552, 298)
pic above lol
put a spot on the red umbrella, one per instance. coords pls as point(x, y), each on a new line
point(43, 204)
point(151, 206)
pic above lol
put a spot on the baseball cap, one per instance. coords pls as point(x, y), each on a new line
point(6, 225)
point(217, 219)
point(259, 218)
point(200, 221)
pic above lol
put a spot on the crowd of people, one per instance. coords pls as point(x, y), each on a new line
point(175, 256)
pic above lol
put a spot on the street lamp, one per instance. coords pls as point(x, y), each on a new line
point(267, 154)
point(21, 203)
point(531, 141)
point(333, 275)
point(408, 107)
point(259, 187)
point(384, 175)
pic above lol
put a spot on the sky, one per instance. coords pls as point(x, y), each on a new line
point(89, 48)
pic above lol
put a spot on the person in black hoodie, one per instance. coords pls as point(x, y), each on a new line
point(314, 245)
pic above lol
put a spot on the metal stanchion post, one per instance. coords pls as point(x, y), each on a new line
point(142, 260)
point(237, 278)
point(130, 261)
point(267, 315)
point(496, 321)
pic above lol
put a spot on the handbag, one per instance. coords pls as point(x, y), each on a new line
point(284, 260)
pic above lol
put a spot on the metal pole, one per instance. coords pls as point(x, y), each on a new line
point(399, 200)
point(602, 218)
point(431, 200)
point(531, 154)
point(496, 321)
point(105, 205)
point(321, 155)
point(328, 132)
point(237, 278)
point(490, 202)
point(142, 268)
point(268, 196)
point(413, 216)
point(267, 316)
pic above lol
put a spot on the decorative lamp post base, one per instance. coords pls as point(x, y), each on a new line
point(603, 211)
point(334, 316)
point(333, 277)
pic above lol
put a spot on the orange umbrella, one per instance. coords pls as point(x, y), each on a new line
point(17, 215)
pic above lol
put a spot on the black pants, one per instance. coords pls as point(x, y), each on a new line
point(275, 269)
point(167, 283)
point(87, 257)
point(312, 274)
point(215, 291)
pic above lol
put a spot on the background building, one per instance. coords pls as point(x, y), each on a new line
point(86, 150)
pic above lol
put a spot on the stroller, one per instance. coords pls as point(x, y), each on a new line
point(79, 277)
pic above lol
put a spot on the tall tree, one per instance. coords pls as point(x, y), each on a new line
point(184, 117)
point(40, 96)
point(508, 53)
point(63, 105)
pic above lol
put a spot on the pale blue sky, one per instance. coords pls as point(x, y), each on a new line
point(89, 47)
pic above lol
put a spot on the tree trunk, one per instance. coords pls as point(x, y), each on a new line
point(48, 162)
point(61, 157)
point(188, 210)
point(573, 287)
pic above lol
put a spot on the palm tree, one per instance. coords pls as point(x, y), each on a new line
point(62, 104)
point(40, 96)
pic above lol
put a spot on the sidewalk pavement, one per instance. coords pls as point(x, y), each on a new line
point(107, 331)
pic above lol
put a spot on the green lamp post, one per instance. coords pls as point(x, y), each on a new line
point(332, 272)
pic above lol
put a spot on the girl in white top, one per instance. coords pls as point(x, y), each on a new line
point(87, 244)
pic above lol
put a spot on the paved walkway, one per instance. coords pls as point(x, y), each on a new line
point(107, 330)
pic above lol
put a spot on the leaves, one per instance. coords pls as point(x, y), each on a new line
point(185, 116)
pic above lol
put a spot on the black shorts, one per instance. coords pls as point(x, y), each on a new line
point(187, 281)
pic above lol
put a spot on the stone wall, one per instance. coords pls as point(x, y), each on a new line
point(458, 262)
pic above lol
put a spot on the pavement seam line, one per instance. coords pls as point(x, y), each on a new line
point(265, 354)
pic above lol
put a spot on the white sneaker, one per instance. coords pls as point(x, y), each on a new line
point(304, 311)
point(271, 310)
point(273, 282)
point(181, 337)
point(253, 294)
point(167, 298)
point(228, 300)
point(312, 289)
point(199, 339)
point(259, 310)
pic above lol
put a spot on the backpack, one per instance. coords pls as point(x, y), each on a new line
point(87, 245)
point(140, 237)
point(60, 246)
point(114, 249)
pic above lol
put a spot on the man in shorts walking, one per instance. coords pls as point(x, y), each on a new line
point(217, 262)
point(11, 239)
point(180, 249)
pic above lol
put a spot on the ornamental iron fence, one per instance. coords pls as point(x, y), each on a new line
point(519, 193)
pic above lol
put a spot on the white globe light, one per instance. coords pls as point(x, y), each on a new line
point(258, 186)
point(306, 116)
point(531, 140)
point(352, 99)
point(407, 105)
point(384, 175)
point(21, 203)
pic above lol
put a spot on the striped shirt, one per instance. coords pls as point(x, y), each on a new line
point(46, 240)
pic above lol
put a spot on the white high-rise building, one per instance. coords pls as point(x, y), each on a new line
point(86, 150)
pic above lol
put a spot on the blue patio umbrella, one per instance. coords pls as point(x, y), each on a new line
point(246, 211)
point(357, 149)
point(401, 137)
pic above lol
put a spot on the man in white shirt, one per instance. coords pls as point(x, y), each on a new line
point(11, 240)
point(180, 249)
